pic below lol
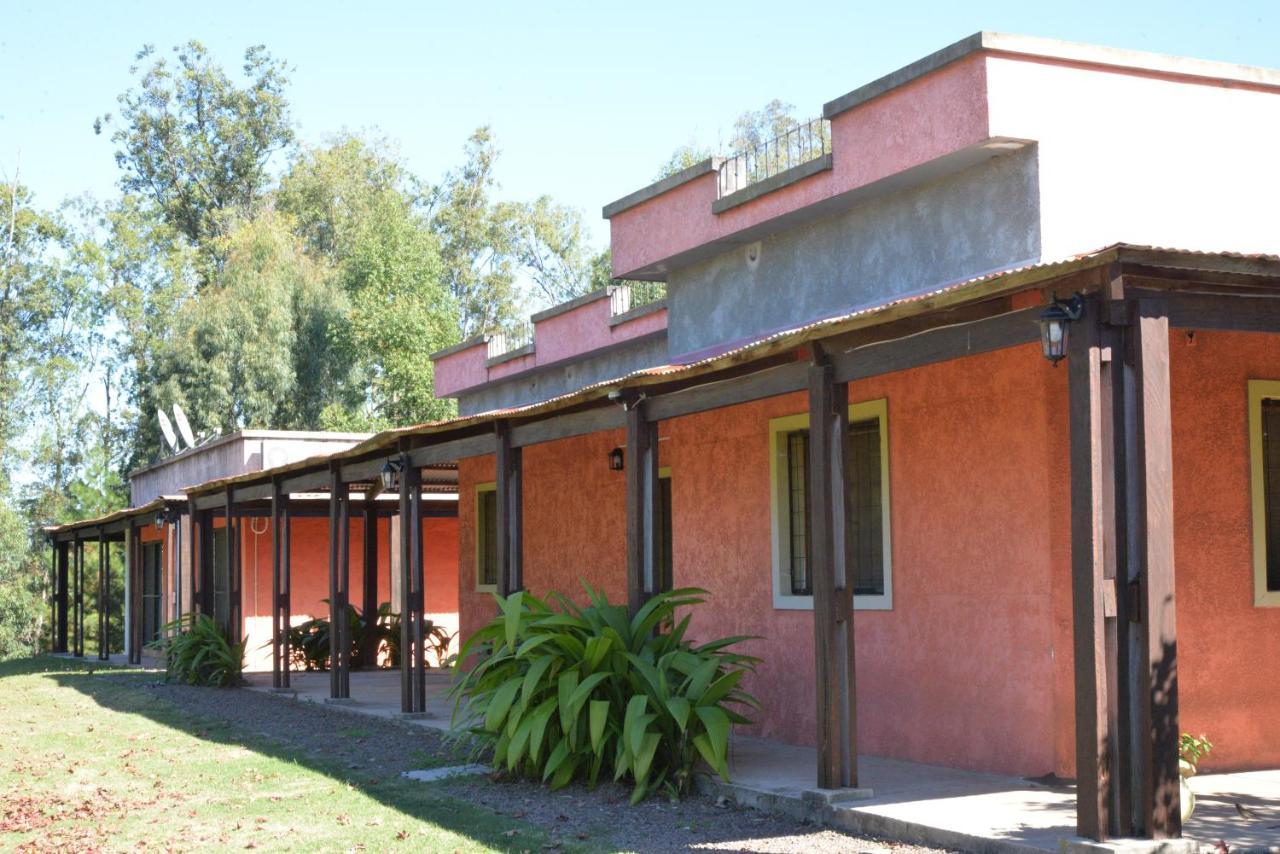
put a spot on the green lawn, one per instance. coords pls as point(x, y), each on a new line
point(90, 759)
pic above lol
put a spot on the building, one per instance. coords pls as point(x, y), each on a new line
point(842, 423)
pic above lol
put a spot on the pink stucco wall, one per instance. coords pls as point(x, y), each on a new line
point(914, 124)
point(563, 336)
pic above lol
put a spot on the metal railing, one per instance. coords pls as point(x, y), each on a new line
point(501, 343)
point(806, 141)
point(633, 295)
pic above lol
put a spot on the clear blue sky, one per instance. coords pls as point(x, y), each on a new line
point(586, 99)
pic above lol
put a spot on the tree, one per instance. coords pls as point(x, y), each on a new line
point(196, 145)
point(359, 210)
point(751, 129)
point(552, 249)
point(477, 241)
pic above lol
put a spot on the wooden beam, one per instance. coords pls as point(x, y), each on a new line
point(451, 450)
point(937, 345)
point(315, 480)
point(1225, 312)
point(510, 515)
point(251, 492)
point(830, 553)
point(566, 426)
point(1154, 678)
point(408, 514)
point(209, 500)
point(780, 379)
point(641, 463)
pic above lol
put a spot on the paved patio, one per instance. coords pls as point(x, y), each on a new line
point(909, 801)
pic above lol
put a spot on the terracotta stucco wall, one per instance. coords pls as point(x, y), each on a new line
point(1228, 649)
point(961, 671)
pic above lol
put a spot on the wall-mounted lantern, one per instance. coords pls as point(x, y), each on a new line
point(390, 475)
point(160, 520)
point(1055, 322)
point(617, 462)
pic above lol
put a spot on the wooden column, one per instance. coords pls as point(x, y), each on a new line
point(339, 578)
point(1153, 671)
point(641, 461)
point(510, 515)
point(1122, 572)
point(104, 599)
point(62, 599)
point(278, 630)
point(413, 690)
point(78, 575)
point(369, 603)
point(53, 596)
point(285, 602)
point(235, 609)
point(133, 583)
point(830, 557)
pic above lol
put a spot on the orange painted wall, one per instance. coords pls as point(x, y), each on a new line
point(971, 564)
point(1228, 649)
point(973, 666)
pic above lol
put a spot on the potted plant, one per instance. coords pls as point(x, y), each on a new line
point(1191, 749)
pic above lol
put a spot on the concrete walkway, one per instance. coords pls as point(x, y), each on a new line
point(373, 692)
point(979, 812)
point(908, 801)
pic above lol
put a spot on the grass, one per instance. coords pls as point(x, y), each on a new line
point(89, 759)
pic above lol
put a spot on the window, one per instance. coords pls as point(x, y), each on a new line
point(221, 579)
point(867, 505)
point(151, 593)
point(487, 537)
point(1264, 453)
point(666, 579)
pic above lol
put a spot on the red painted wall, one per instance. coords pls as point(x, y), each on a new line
point(973, 666)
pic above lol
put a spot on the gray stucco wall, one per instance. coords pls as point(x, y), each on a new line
point(553, 380)
point(981, 219)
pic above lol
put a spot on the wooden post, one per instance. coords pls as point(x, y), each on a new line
point(641, 461)
point(286, 586)
point(104, 598)
point(405, 546)
point(510, 515)
point(53, 596)
point(369, 644)
point(60, 645)
point(1153, 676)
point(235, 613)
point(78, 575)
point(1091, 416)
point(339, 575)
point(417, 597)
point(413, 688)
point(132, 580)
point(830, 556)
point(277, 630)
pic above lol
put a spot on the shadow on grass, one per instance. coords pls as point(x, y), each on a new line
point(134, 692)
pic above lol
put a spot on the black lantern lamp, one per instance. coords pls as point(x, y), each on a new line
point(161, 518)
point(616, 460)
point(390, 475)
point(1055, 322)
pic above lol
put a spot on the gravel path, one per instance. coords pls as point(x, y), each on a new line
point(373, 750)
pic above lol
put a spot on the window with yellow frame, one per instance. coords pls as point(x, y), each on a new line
point(487, 537)
point(867, 506)
point(1264, 465)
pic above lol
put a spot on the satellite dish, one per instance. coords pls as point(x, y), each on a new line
point(167, 429)
point(184, 426)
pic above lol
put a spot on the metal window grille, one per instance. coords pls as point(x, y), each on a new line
point(807, 141)
point(798, 515)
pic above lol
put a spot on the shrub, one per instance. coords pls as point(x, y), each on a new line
point(572, 693)
point(309, 641)
point(197, 652)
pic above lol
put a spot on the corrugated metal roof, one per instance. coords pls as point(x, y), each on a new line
point(945, 296)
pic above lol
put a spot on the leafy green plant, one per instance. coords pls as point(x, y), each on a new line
point(309, 641)
point(1193, 748)
point(197, 652)
point(568, 692)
